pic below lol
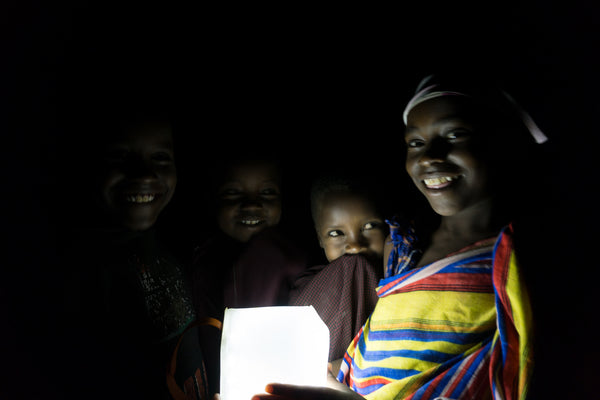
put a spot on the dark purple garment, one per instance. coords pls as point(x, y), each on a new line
point(258, 273)
point(226, 273)
point(343, 294)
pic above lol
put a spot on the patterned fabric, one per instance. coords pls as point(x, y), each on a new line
point(403, 255)
point(459, 328)
point(166, 296)
point(343, 294)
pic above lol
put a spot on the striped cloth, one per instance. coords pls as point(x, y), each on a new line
point(459, 328)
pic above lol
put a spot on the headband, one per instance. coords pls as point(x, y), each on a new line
point(434, 91)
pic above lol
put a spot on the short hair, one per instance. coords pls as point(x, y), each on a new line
point(325, 185)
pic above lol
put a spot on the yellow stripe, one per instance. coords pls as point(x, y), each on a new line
point(523, 321)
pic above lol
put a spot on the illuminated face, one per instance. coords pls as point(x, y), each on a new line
point(349, 224)
point(138, 175)
point(445, 157)
point(249, 200)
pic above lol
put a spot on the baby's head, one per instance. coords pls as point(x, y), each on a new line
point(136, 169)
point(346, 218)
point(248, 197)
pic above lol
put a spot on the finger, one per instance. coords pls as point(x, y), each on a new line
point(267, 397)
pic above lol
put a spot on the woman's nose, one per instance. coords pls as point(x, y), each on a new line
point(435, 152)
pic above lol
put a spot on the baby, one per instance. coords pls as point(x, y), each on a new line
point(351, 230)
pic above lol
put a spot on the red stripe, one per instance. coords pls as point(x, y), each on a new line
point(510, 367)
point(371, 382)
point(463, 372)
point(454, 281)
point(395, 282)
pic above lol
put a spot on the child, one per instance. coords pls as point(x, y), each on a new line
point(351, 231)
point(247, 261)
point(128, 293)
point(459, 325)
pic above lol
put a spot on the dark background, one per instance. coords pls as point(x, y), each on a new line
point(319, 86)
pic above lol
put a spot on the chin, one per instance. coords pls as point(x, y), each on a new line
point(139, 225)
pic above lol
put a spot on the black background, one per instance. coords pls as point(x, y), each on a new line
point(320, 86)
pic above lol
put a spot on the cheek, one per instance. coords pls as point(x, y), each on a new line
point(332, 252)
point(410, 168)
point(107, 185)
point(377, 243)
point(273, 211)
point(225, 215)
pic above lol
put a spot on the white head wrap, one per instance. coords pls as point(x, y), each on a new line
point(435, 90)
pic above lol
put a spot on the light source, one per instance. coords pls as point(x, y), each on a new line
point(261, 345)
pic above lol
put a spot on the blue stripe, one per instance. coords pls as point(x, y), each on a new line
point(389, 373)
point(424, 355)
point(500, 314)
point(427, 336)
point(449, 365)
point(467, 270)
point(481, 257)
point(478, 360)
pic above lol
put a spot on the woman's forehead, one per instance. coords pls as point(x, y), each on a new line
point(442, 109)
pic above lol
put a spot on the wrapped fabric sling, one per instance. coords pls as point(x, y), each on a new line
point(459, 328)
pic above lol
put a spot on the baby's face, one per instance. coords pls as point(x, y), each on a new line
point(138, 175)
point(249, 200)
point(350, 225)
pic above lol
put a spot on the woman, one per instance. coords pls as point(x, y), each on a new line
point(459, 324)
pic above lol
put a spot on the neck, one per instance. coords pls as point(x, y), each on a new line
point(477, 222)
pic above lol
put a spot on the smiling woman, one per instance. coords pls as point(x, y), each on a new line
point(457, 323)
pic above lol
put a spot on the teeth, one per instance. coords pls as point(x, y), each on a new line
point(140, 198)
point(250, 221)
point(438, 181)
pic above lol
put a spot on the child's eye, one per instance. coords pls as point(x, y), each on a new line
point(230, 193)
point(269, 192)
point(370, 225)
point(415, 143)
point(335, 233)
point(116, 156)
point(162, 156)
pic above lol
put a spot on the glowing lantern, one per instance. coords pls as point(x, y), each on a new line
point(271, 344)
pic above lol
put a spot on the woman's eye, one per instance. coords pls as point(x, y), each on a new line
point(335, 233)
point(457, 134)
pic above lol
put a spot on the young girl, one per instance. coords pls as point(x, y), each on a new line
point(459, 325)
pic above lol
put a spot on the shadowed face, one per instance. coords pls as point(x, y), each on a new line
point(249, 200)
point(446, 157)
point(348, 224)
point(138, 175)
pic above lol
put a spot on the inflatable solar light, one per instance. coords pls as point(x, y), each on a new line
point(261, 345)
